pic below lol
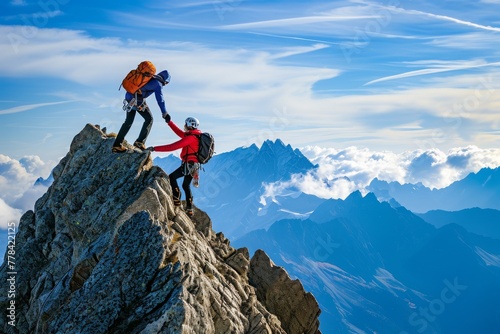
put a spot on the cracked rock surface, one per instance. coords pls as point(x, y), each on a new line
point(106, 251)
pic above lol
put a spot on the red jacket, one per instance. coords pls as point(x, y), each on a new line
point(188, 143)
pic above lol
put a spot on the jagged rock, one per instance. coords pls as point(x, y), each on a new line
point(106, 251)
point(284, 297)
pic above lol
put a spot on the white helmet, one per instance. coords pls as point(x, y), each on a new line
point(192, 123)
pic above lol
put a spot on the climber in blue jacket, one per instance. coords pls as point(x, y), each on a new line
point(154, 85)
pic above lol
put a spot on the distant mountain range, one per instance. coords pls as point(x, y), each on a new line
point(375, 268)
point(372, 264)
point(485, 222)
point(400, 259)
point(232, 185)
point(481, 189)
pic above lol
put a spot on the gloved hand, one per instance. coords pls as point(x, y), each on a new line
point(151, 148)
point(166, 117)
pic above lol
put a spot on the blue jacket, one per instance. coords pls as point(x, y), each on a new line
point(153, 86)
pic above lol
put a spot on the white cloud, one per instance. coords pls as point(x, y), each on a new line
point(295, 21)
point(32, 163)
point(297, 38)
point(412, 12)
point(8, 215)
point(473, 40)
point(455, 66)
point(310, 183)
point(340, 172)
point(17, 182)
point(29, 107)
point(238, 88)
point(27, 200)
point(18, 2)
point(458, 21)
point(437, 169)
point(72, 55)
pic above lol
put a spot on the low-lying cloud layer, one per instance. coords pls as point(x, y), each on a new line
point(18, 191)
point(339, 173)
point(342, 171)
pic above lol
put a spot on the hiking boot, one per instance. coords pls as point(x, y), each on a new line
point(176, 196)
point(140, 145)
point(189, 206)
point(119, 149)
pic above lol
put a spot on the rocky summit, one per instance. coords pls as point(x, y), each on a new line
point(106, 251)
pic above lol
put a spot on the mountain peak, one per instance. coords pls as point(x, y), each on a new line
point(106, 251)
point(277, 147)
point(354, 196)
point(278, 142)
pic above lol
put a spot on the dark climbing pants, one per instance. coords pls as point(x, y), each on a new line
point(146, 126)
point(186, 184)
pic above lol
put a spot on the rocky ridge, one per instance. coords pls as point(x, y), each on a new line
point(106, 251)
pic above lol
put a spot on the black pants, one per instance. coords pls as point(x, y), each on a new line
point(146, 126)
point(186, 184)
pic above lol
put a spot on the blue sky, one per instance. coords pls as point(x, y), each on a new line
point(385, 75)
point(404, 91)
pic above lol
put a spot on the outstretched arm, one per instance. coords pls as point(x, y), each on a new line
point(176, 129)
point(176, 145)
point(160, 99)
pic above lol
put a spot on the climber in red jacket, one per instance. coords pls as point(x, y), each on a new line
point(190, 166)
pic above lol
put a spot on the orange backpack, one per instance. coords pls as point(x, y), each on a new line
point(137, 78)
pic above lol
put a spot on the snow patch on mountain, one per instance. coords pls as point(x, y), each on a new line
point(488, 258)
point(388, 281)
point(338, 283)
